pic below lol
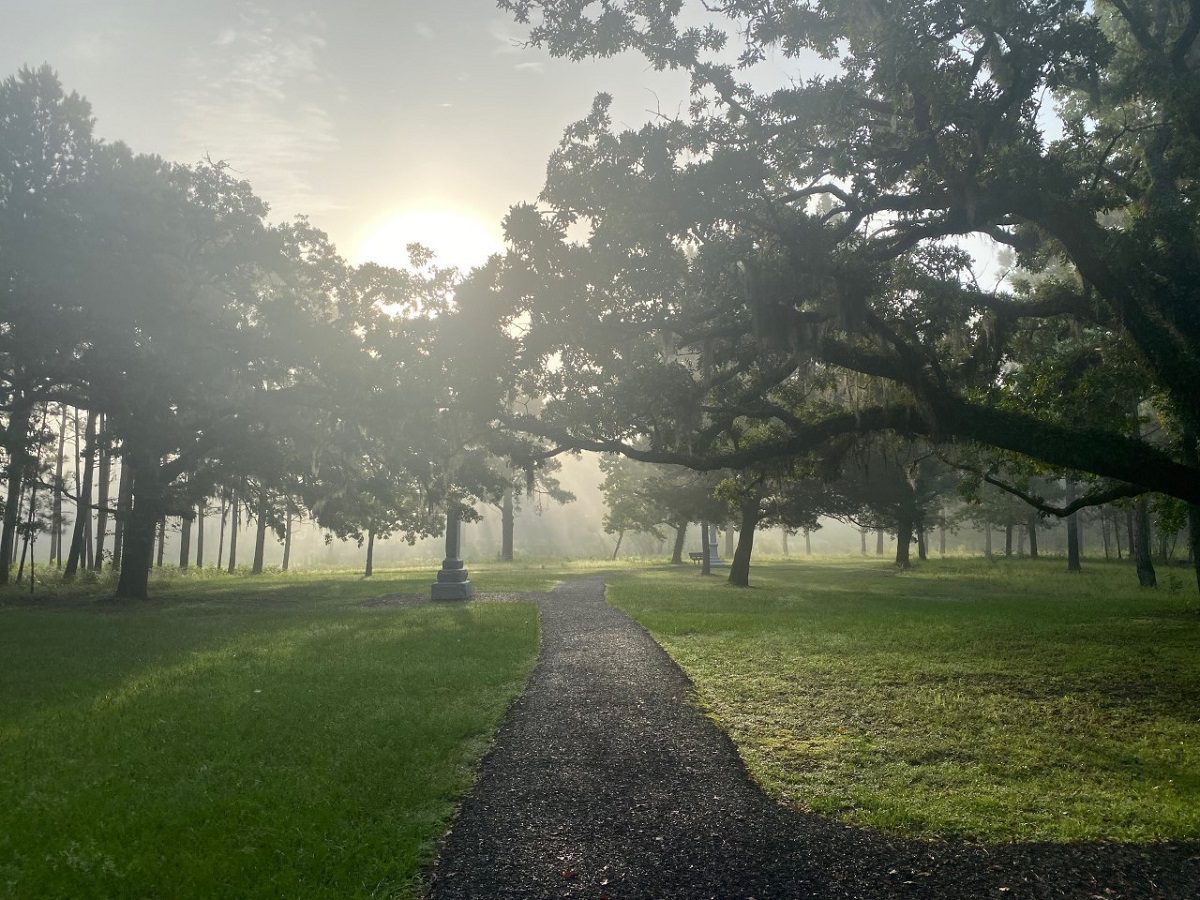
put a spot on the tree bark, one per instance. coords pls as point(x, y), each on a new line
point(508, 524)
point(370, 570)
point(102, 495)
point(145, 512)
point(786, 549)
point(234, 522)
point(942, 539)
point(922, 550)
point(260, 534)
point(680, 538)
point(879, 542)
point(1116, 527)
point(862, 540)
point(185, 542)
point(83, 512)
point(987, 539)
point(162, 541)
point(620, 537)
point(739, 566)
point(287, 538)
point(15, 444)
point(1104, 537)
point(224, 519)
point(1032, 527)
point(807, 543)
point(124, 505)
point(1008, 535)
point(200, 534)
point(1139, 529)
point(1073, 561)
point(56, 521)
point(705, 562)
point(904, 535)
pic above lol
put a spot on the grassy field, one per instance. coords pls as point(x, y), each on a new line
point(996, 701)
point(247, 737)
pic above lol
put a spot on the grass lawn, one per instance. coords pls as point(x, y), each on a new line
point(995, 701)
point(235, 737)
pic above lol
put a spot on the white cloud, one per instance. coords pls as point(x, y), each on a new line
point(256, 101)
point(536, 68)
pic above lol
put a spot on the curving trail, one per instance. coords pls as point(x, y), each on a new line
point(605, 782)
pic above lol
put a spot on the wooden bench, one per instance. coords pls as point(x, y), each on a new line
point(696, 556)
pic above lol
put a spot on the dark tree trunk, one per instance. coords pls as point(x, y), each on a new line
point(862, 539)
point(124, 505)
point(260, 534)
point(102, 494)
point(508, 525)
point(941, 540)
point(922, 550)
point(620, 537)
point(56, 521)
point(287, 538)
point(677, 550)
point(234, 522)
point(83, 512)
point(705, 562)
point(879, 542)
point(1008, 534)
point(1116, 527)
point(807, 543)
point(1073, 562)
point(200, 534)
point(739, 567)
point(1032, 528)
point(221, 538)
point(15, 444)
point(162, 542)
point(370, 569)
point(904, 535)
point(185, 542)
point(987, 539)
point(786, 551)
point(145, 512)
point(1139, 529)
point(1104, 537)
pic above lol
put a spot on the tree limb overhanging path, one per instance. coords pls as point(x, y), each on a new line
point(605, 781)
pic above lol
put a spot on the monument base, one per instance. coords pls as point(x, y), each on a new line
point(453, 590)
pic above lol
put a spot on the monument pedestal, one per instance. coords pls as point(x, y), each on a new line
point(710, 547)
point(453, 582)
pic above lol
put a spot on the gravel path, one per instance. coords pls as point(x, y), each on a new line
point(606, 783)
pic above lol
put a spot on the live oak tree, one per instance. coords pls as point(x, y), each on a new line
point(827, 222)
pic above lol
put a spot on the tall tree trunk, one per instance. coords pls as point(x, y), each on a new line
point(1008, 534)
point(1116, 527)
point(200, 534)
point(287, 537)
point(1073, 550)
point(879, 542)
point(83, 512)
point(145, 512)
point(620, 537)
point(807, 543)
point(705, 560)
point(16, 441)
point(234, 521)
point(260, 534)
point(1139, 529)
point(224, 519)
point(786, 549)
point(56, 521)
point(124, 507)
point(677, 550)
point(942, 538)
point(904, 535)
point(1104, 534)
point(987, 539)
point(102, 494)
point(185, 542)
point(1032, 528)
point(1021, 534)
point(739, 567)
point(862, 540)
point(508, 524)
point(370, 570)
point(162, 541)
point(922, 549)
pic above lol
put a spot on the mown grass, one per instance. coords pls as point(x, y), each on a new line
point(993, 701)
point(265, 736)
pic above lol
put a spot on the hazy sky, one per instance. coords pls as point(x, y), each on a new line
point(356, 112)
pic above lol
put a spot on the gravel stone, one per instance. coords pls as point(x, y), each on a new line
point(606, 782)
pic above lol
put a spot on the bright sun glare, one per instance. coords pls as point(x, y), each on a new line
point(456, 239)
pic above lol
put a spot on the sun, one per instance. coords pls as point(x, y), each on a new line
point(456, 239)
